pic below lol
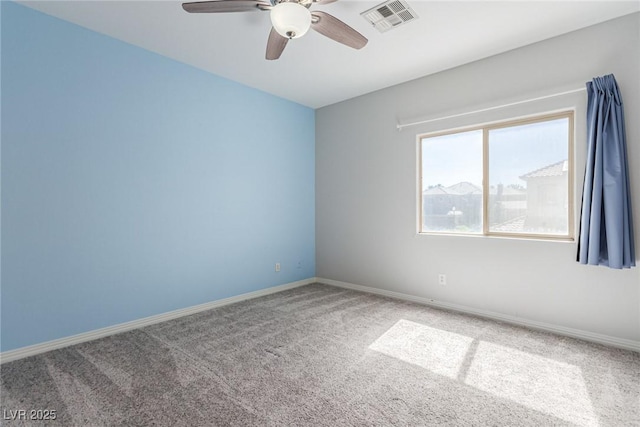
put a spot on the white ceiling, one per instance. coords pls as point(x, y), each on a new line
point(316, 71)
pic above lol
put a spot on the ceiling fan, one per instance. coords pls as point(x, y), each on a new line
point(290, 19)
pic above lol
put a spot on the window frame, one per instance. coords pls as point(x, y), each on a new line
point(568, 114)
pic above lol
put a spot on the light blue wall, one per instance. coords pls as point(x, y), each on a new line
point(133, 185)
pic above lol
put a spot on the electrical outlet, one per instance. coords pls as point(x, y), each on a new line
point(277, 266)
point(442, 279)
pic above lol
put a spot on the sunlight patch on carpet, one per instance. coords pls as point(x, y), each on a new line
point(549, 386)
point(439, 351)
point(546, 385)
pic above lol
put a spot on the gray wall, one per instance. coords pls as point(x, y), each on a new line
point(366, 187)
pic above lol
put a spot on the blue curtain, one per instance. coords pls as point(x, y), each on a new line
point(606, 224)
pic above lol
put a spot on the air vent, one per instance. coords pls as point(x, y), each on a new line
point(390, 14)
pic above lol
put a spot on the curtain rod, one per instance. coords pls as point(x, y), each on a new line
point(402, 126)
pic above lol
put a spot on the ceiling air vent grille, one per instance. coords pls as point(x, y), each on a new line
point(389, 14)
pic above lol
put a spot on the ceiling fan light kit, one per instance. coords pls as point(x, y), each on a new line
point(290, 19)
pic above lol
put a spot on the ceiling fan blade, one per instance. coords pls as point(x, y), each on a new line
point(219, 6)
point(335, 29)
point(324, 1)
point(275, 45)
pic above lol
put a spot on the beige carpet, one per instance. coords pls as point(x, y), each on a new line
point(324, 356)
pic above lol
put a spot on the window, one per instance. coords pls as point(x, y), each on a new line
point(509, 179)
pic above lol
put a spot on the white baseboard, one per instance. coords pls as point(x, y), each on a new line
point(560, 330)
point(32, 350)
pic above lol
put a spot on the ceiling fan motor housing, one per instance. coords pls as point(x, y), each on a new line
point(305, 3)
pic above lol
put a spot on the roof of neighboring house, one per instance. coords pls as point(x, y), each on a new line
point(459, 189)
point(438, 190)
point(556, 169)
point(465, 188)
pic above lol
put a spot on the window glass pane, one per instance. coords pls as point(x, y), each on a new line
point(528, 178)
point(452, 183)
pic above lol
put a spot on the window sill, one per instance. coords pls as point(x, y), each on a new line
point(535, 238)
